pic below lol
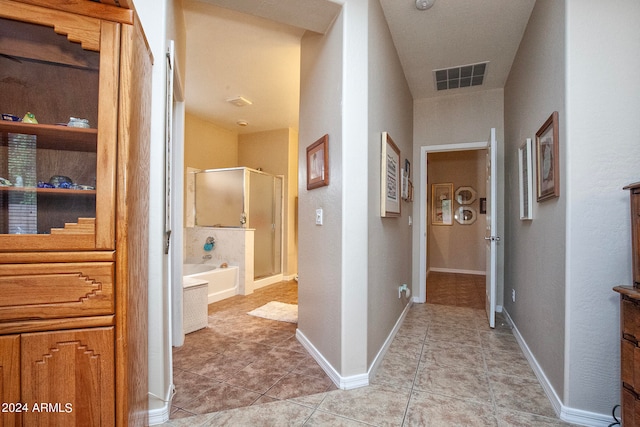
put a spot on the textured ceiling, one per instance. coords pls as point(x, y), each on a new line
point(454, 33)
point(251, 48)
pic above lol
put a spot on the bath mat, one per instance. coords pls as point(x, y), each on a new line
point(275, 310)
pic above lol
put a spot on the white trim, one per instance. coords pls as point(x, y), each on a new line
point(565, 413)
point(343, 383)
point(457, 271)
point(387, 343)
point(421, 296)
point(266, 281)
point(354, 381)
point(161, 415)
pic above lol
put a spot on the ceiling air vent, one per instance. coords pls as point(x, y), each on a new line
point(463, 76)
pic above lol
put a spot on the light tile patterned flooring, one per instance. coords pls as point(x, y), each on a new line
point(445, 367)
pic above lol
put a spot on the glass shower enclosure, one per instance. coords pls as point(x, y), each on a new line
point(244, 198)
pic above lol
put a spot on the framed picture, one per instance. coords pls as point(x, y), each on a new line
point(441, 204)
point(318, 163)
point(547, 157)
point(391, 178)
point(525, 163)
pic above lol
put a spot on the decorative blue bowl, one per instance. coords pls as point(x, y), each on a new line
point(10, 117)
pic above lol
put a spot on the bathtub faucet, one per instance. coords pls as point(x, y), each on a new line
point(207, 256)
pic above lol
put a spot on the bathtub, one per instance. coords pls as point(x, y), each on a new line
point(223, 282)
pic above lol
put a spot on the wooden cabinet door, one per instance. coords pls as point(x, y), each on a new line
point(10, 380)
point(68, 378)
point(62, 192)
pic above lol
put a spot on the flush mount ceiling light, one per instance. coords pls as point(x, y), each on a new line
point(462, 76)
point(424, 4)
point(239, 101)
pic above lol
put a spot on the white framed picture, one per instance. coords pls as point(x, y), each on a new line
point(525, 163)
point(391, 178)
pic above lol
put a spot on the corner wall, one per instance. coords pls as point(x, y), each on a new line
point(564, 263)
point(389, 247)
point(162, 21)
point(535, 264)
point(320, 247)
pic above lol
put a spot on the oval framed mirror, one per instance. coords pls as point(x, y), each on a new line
point(466, 215)
point(465, 195)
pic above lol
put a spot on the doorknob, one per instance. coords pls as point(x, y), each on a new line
point(493, 238)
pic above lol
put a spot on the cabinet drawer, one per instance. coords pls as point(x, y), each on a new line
point(630, 360)
point(54, 290)
point(630, 320)
point(627, 350)
point(630, 408)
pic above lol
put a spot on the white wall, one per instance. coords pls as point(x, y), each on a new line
point(389, 246)
point(160, 23)
point(603, 154)
point(159, 360)
point(535, 267)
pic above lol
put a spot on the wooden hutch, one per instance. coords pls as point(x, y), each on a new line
point(630, 323)
point(73, 213)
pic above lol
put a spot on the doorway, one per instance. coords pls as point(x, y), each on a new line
point(452, 241)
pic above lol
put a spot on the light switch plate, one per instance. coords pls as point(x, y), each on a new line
point(318, 216)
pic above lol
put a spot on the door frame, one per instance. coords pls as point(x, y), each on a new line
point(421, 296)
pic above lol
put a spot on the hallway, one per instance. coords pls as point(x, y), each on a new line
point(445, 367)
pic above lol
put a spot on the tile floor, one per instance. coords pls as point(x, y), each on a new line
point(445, 367)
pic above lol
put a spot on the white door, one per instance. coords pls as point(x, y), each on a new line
point(491, 229)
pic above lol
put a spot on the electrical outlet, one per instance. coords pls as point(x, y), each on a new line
point(513, 295)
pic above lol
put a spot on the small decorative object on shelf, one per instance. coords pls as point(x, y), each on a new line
point(10, 118)
point(78, 123)
point(29, 118)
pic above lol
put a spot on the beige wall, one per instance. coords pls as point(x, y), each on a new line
point(266, 151)
point(458, 247)
point(535, 267)
point(276, 152)
point(455, 119)
point(207, 146)
point(389, 239)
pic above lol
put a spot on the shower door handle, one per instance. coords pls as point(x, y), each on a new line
point(167, 242)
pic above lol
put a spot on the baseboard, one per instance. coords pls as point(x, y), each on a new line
point(565, 413)
point(457, 271)
point(354, 381)
point(160, 410)
point(380, 356)
point(343, 383)
point(266, 281)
